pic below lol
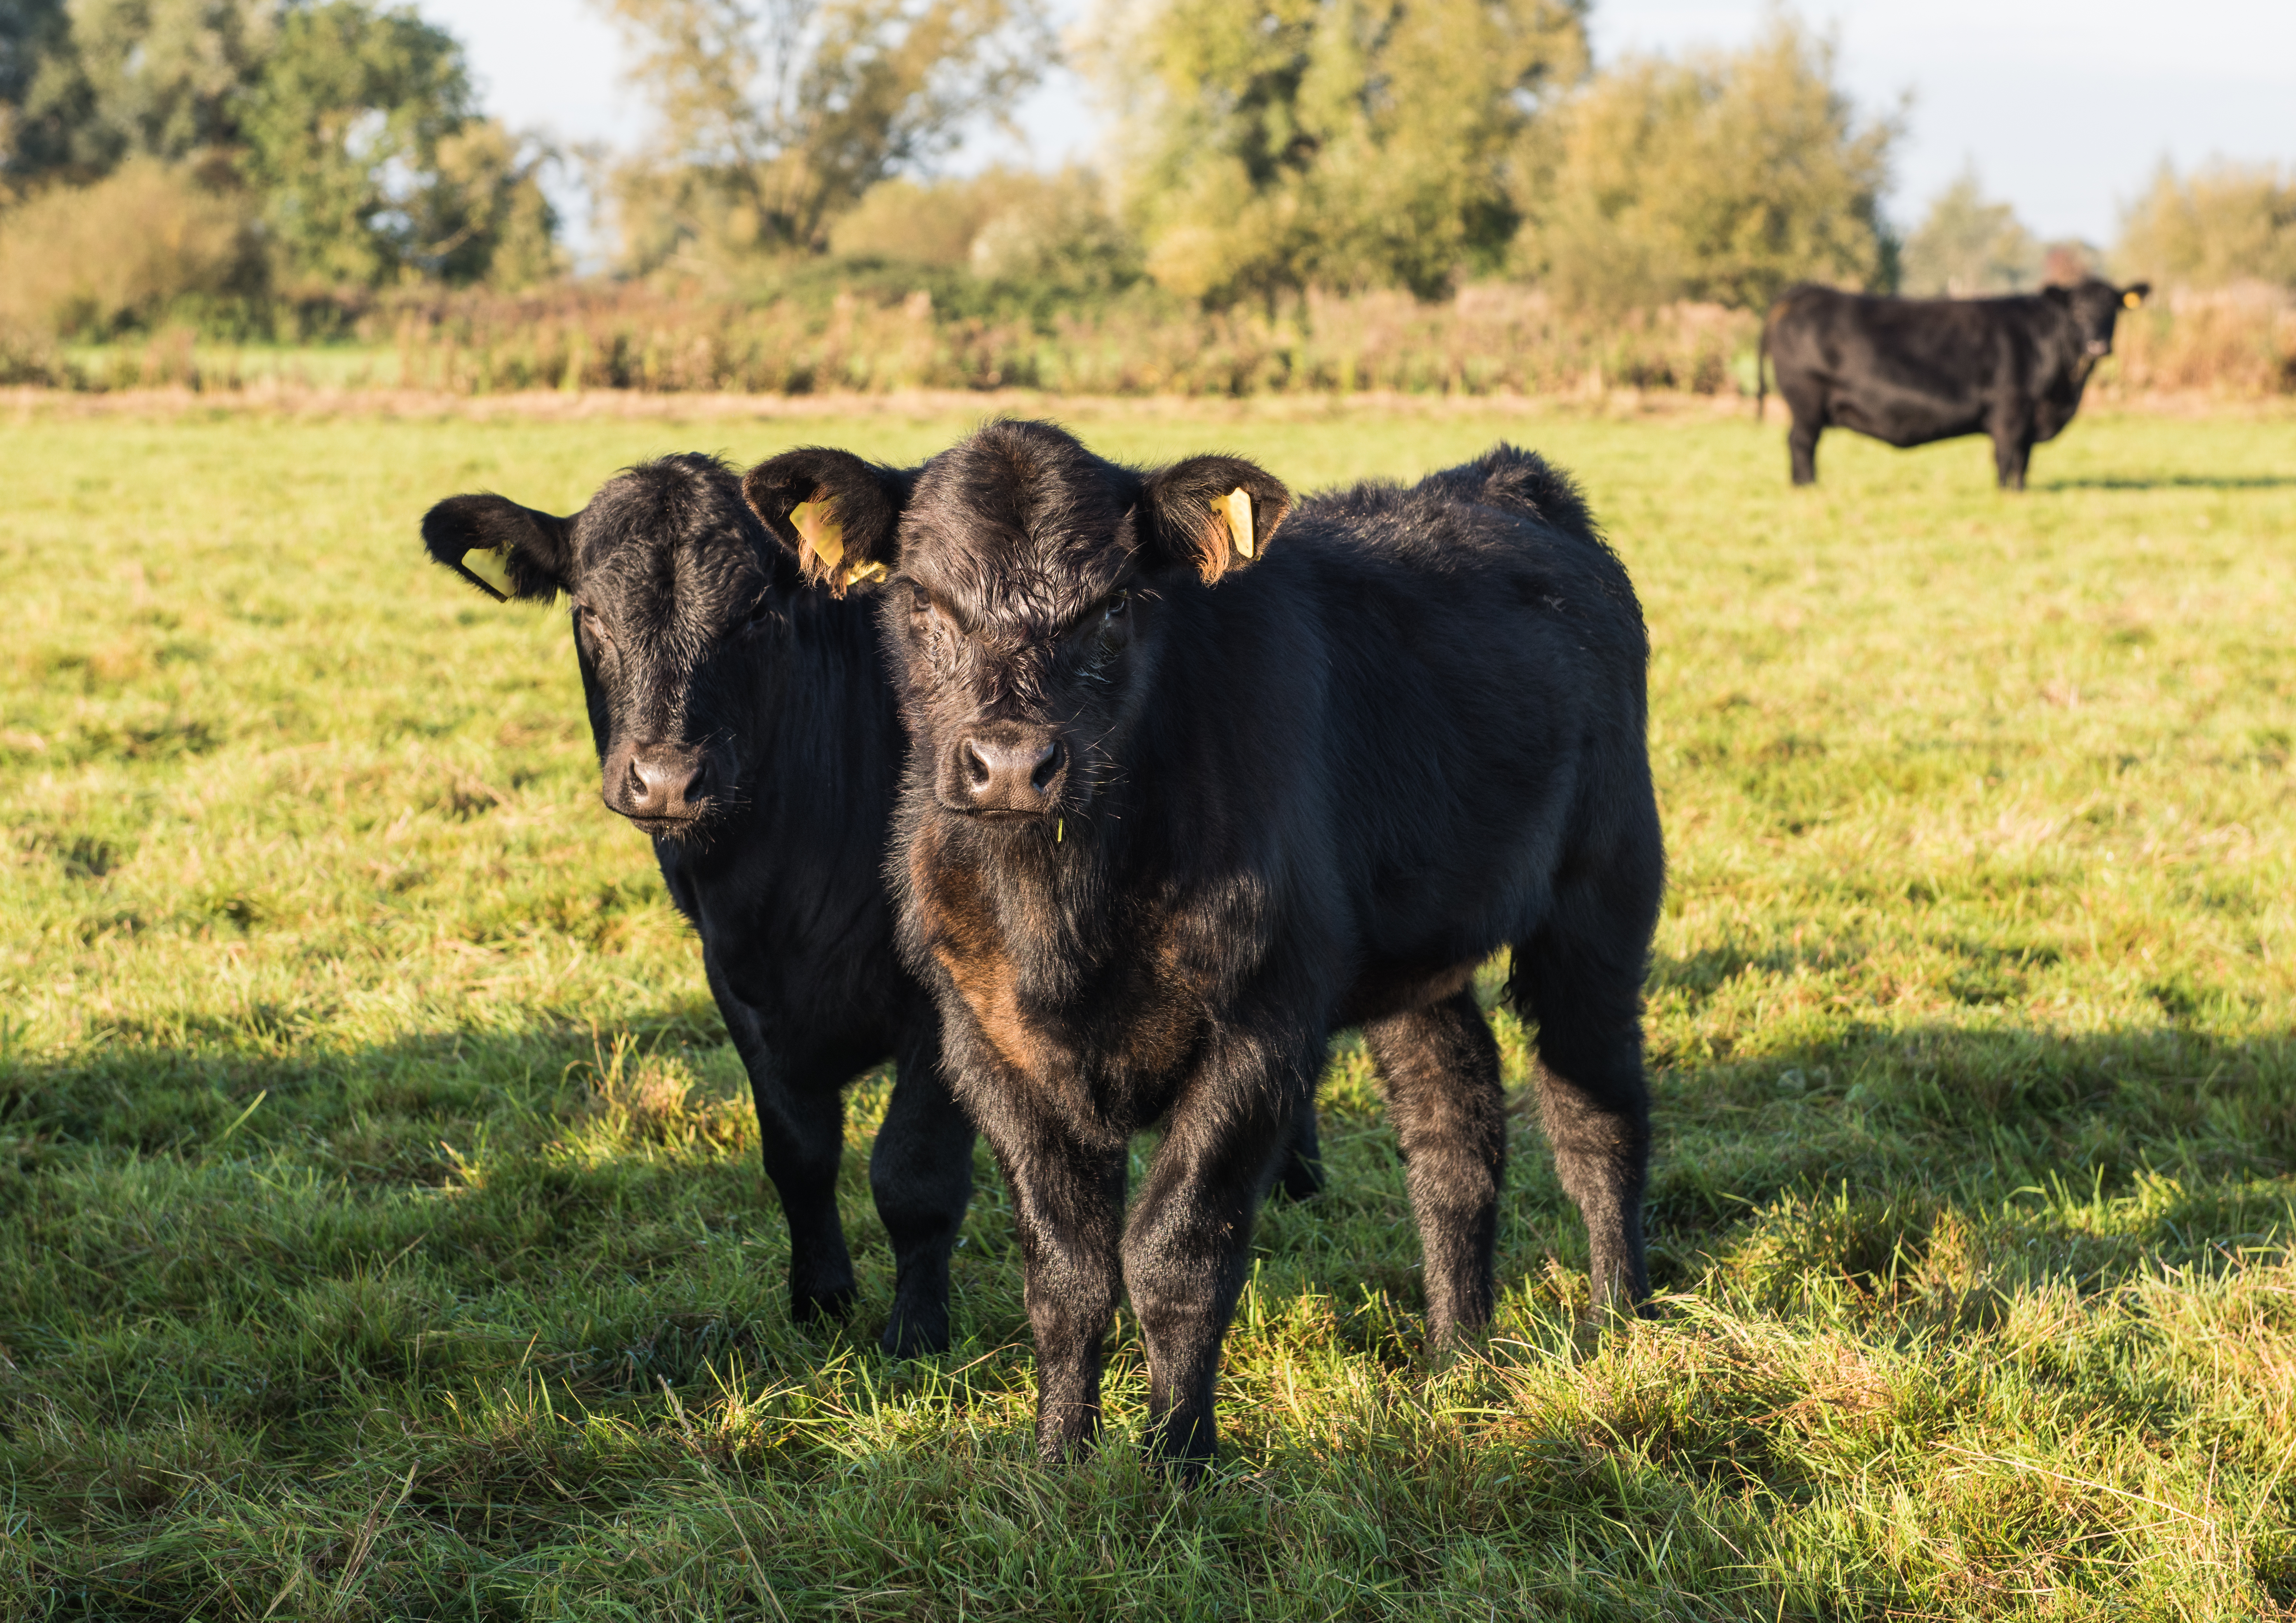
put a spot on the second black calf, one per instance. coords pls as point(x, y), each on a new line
point(746, 724)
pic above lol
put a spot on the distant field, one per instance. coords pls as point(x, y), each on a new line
point(384, 1234)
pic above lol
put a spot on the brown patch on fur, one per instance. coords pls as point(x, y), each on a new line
point(969, 943)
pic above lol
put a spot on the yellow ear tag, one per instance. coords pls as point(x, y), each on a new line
point(489, 566)
point(1237, 507)
point(2131, 300)
point(862, 574)
point(816, 522)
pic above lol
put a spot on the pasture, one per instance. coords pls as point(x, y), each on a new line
point(384, 1231)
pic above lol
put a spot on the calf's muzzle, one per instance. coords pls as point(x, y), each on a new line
point(1005, 772)
point(660, 783)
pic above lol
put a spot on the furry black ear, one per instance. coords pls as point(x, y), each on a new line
point(1214, 513)
point(530, 554)
point(2135, 293)
point(839, 516)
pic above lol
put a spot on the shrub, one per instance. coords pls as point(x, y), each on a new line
point(2227, 223)
point(146, 239)
point(2239, 340)
point(1721, 178)
point(1001, 225)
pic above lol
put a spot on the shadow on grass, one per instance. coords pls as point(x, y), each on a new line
point(237, 1176)
point(2175, 482)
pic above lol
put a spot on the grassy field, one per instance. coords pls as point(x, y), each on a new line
point(384, 1235)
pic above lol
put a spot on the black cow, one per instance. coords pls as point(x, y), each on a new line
point(1158, 839)
point(1909, 370)
point(746, 724)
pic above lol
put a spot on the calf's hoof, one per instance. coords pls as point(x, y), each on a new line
point(813, 1304)
point(916, 1332)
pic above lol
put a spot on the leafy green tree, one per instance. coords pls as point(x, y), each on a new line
point(777, 115)
point(2225, 223)
point(35, 125)
point(1720, 177)
point(1345, 143)
point(93, 82)
point(1965, 246)
point(371, 158)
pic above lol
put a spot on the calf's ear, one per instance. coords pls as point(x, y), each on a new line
point(839, 516)
point(2135, 293)
point(517, 552)
point(1214, 513)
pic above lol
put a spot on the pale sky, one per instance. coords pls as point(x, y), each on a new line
point(2064, 108)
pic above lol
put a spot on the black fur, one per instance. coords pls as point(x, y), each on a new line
point(1159, 838)
point(704, 661)
point(1909, 371)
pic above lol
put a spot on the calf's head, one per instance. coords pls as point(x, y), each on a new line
point(1029, 590)
point(679, 610)
point(2093, 306)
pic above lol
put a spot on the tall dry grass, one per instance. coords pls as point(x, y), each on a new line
point(2236, 342)
point(1487, 340)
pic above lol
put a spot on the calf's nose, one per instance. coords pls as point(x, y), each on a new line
point(664, 786)
point(1009, 774)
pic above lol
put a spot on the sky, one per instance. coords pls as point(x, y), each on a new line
point(2064, 108)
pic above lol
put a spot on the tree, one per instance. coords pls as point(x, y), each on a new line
point(1965, 246)
point(1722, 178)
point(1345, 143)
point(776, 115)
point(94, 83)
point(2226, 223)
point(371, 158)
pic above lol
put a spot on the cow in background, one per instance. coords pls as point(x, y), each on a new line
point(1909, 371)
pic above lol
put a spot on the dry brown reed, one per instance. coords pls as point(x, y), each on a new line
point(1487, 340)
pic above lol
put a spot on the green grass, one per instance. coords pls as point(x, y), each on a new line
point(383, 1234)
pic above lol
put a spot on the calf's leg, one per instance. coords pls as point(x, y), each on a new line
point(1581, 978)
point(1068, 1200)
point(1440, 1069)
point(1187, 1248)
point(921, 1172)
point(801, 1133)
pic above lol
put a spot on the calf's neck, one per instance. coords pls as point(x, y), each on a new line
point(1185, 795)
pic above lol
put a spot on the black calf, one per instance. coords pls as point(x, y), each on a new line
point(746, 724)
point(1158, 838)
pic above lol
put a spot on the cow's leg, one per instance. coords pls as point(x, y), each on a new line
point(921, 1171)
point(2013, 448)
point(1580, 977)
point(1068, 1201)
point(801, 1133)
point(1801, 445)
point(1440, 1069)
point(1187, 1249)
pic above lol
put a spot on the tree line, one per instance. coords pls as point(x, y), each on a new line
point(267, 165)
